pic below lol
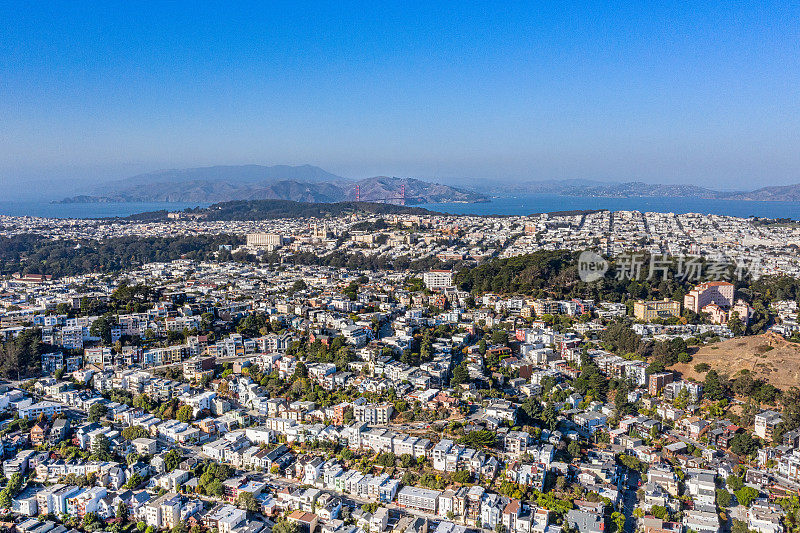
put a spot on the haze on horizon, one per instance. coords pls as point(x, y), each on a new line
point(698, 92)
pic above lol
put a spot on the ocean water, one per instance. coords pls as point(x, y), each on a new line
point(91, 210)
point(516, 205)
point(545, 203)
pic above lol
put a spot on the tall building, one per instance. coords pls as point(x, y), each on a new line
point(657, 382)
point(719, 293)
point(648, 311)
point(765, 423)
point(265, 240)
point(717, 299)
point(372, 413)
point(438, 279)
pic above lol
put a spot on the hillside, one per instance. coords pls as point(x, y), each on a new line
point(768, 357)
point(271, 209)
point(785, 193)
point(252, 182)
point(416, 191)
point(639, 189)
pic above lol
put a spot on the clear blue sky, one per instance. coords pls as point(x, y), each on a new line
point(685, 92)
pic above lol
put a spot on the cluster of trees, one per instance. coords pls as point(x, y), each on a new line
point(482, 438)
point(11, 489)
point(717, 387)
point(38, 255)
point(554, 274)
point(743, 444)
point(591, 381)
point(131, 433)
point(22, 356)
point(338, 353)
point(212, 476)
point(460, 375)
point(534, 274)
point(272, 209)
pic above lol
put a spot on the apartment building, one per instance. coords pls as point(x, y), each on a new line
point(766, 422)
point(437, 280)
point(657, 382)
point(418, 498)
point(164, 511)
point(719, 293)
point(373, 414)
point(651, 310)
point(269, 241)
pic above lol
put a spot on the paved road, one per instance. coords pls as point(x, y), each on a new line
point(629, 500)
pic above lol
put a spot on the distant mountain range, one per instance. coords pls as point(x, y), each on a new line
point(637, 189)
point(254, 182)
point(307, 183)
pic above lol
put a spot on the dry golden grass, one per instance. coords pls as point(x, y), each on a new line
point(768, 357)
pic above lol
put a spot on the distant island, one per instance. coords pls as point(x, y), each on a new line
point(273, 209)
point(637, 189)
point(304, 183)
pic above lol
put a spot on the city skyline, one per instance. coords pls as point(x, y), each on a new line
point(697, 94)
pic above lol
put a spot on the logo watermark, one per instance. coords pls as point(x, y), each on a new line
point(591, 266)
point(655, 267)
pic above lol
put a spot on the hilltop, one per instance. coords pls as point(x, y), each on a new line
point(272, 209)
point(304, 183)
point(768, 357)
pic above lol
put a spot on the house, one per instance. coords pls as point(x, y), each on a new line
point(701, 521)
point(39, 432)
point(224, 518)
point(306, 522)
point(584, 521)
point(765, 517)
point(145, 446)
point(59, 431)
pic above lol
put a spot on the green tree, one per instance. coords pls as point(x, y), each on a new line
point(5, 499)
point(659, 511)
point(122, 511)
point(739, 526)
point(135, 432)
point(185, 414)
point(248, 502)
point(101, 448)
point(172, 459)
point(550, 416)
point(723, 498)
point(702, 367)
point(574, 448)
point(746, 495)
point(460, 375)
point(743, 444)
point(134, 481)
point(97, 411)
point(712, 386)
point(734, 482)
point(102, 327)
point(619, 521)
point(215, 488)
point(462, 476)
point(283, 525)
point(180, 527)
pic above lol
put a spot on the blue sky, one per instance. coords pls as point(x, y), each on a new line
point(686, 92)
